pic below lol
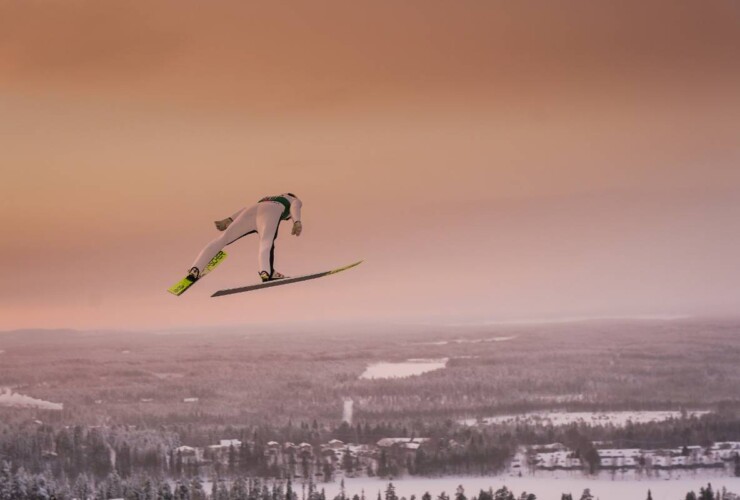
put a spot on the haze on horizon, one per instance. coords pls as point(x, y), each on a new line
point(491, 160)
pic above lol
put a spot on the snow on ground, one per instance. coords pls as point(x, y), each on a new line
point(545, 488)
point(616, 418)
point(10, 398)
point(403, 369)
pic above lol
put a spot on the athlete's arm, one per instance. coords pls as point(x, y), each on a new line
point(295, 209)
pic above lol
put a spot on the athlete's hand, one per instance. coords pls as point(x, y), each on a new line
point(221, 225)
point(297, 228)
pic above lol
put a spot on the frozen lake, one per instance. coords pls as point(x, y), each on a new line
point(402, 369)
point(616, 418)
point(544, 488)
point(10, 398)
point(469, 341)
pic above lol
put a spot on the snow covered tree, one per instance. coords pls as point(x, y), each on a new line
point(586, 495)
point(460, 493)
point(503, 493)
point(147, 490)
point(196, 489)
point(113, 485)
point(6, 481)
point(485, 494)
point(165, 492)
point(390, 492)
point(19, 488)
point(239, 489)
point(182, 492)
point(38, 488)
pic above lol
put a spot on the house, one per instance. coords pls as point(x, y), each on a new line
point(407, 443)
point(188, 455)
point(272, 452)
point(336, 444)
point(560, 460)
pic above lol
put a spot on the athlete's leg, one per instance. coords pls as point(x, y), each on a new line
point(268, 221)
point(243, 224)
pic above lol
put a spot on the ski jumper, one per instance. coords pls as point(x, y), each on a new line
point(264, 219)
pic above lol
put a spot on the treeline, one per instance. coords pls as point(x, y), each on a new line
point(673, 433)
point(20, 485)
point(127, 450)
point(450, 449)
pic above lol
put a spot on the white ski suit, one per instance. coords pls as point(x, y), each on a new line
point(264, 219)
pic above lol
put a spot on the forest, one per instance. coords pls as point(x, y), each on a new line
point(130, 399)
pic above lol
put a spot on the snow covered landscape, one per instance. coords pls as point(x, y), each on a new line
point(618, 410)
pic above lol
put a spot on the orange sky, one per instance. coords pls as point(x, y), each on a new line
point(488, 159)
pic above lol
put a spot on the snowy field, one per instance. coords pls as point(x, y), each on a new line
point(615, 418)
point(403, 369)
point(544, 488)
point(10, 398)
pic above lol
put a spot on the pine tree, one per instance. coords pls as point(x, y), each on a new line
point(390, 492)
point(196, 489)
point(650, 495)
point(114, 485)
point(37, 488)
point(239, 489)
point(460, 493)
point(19, 488)
point(164, 492)
point(6, 481)
point(503, 494)
point(147, 490)
point(223, 491)
point(182, 491)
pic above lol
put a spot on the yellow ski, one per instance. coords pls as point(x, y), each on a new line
point(185, 283)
